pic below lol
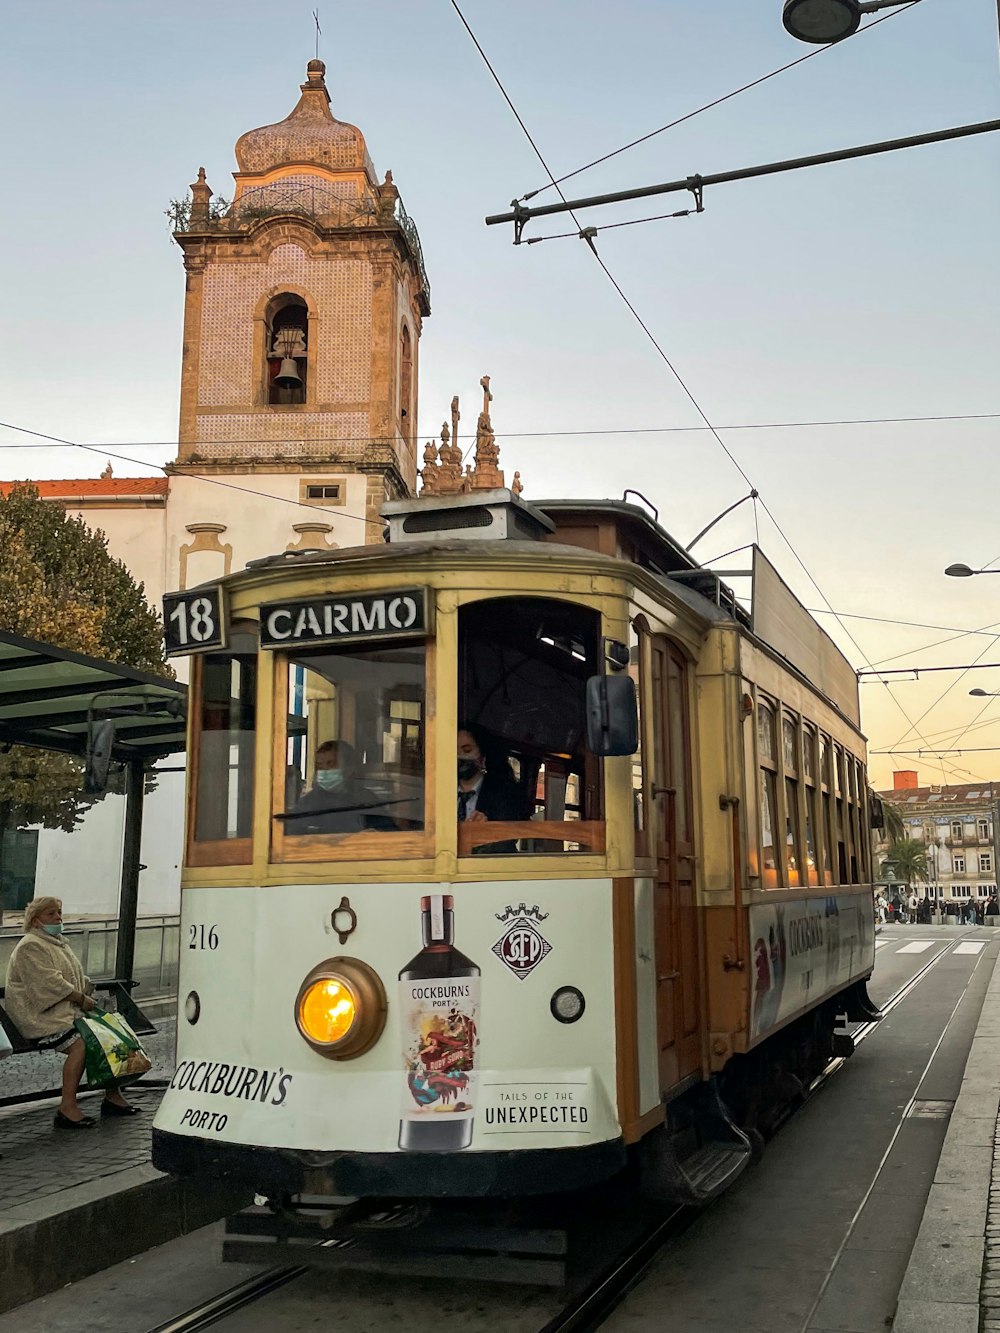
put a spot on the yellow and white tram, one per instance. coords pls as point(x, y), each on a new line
point(643, 958)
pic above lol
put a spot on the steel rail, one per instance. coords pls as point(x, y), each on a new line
point(585, 1312)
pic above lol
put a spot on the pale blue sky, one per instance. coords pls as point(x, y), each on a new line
point(865, 289)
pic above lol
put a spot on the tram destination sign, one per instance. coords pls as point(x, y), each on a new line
point(194, 621)
point(396, 614)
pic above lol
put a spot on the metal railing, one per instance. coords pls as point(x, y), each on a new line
point(95, 943)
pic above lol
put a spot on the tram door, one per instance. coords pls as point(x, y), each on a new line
point(675, 917)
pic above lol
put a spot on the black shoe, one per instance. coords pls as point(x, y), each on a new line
point(64, 1122)
point(113, 1109)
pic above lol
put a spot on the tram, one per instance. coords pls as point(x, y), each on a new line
point(632, 956)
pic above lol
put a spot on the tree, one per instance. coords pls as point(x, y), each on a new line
point(909, 860)
point(894, 830)
point(59, 584)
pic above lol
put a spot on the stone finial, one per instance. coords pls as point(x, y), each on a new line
point(430, 473)
point(516, 486)
point(486, 475)
point(108, 472)
point(200, 196)
point(387, 196)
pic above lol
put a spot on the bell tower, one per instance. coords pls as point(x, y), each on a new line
point(303, 310)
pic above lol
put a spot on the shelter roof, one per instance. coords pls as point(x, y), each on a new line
point(46, 695)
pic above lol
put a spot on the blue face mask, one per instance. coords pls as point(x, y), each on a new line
point(53, 930)
point(329, 779)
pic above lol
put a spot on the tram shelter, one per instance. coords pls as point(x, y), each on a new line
point(57, 700)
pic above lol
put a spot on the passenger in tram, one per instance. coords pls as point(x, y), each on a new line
point(486, 789)
point(337, 802)
point(46, 991)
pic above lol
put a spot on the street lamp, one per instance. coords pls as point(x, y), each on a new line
point(824, 21)
point(984, 694)
point(964, 572)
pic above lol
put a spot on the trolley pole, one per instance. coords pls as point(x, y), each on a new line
point(520, 215)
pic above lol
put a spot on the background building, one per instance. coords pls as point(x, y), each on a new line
point(304, 303)
point(957, 825)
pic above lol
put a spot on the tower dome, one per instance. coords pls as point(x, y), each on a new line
point(310, 136)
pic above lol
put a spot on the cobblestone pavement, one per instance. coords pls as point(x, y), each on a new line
point(42, 1071)
point(39, 1160)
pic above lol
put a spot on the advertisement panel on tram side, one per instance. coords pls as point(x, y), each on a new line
point(803, 951)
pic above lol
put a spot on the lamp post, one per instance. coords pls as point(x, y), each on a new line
point(964, 572)
point(825, 21)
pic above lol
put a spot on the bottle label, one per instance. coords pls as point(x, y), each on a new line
point(440, 1022)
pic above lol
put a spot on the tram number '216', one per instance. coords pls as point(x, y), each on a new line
point(203, 937)
point(193, 622)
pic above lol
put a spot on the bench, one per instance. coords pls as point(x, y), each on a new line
point(118, 988)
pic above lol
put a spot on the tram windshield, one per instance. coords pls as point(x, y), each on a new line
point(523, 667)
point(354, 758)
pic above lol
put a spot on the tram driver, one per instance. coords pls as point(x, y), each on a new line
point(337, 802)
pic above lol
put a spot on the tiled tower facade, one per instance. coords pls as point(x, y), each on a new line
point(303, 312)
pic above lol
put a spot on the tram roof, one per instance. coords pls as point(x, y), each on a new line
point(47, 694)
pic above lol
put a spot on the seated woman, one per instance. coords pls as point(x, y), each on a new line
point(46, 992)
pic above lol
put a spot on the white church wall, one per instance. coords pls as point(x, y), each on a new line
point(136, 536)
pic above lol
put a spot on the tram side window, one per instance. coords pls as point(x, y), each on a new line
point(637, 633)
point(767, 755)
point(354, 750)
point(809, 769)
point(523, 667)
point(224, 741)
point(826, 780)
point(793, 833)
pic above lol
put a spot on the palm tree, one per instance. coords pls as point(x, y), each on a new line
point(909, 860)
point(894, 829)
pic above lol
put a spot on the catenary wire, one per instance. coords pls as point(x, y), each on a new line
point(666, 360)
point(212, 481)
point(718, 101)
point(556, 434)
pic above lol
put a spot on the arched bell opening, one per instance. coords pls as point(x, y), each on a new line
point(286, 334)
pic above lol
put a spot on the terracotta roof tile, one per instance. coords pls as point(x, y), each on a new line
point(94, 487)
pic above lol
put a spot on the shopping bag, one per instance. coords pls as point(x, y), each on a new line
point(5, 1047)
point(113, 1054)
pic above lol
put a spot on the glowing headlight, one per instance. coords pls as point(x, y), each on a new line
point(327, 1011)
point(340, 1008)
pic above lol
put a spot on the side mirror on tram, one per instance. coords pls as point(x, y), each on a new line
point(100, 742)
point(612, 715)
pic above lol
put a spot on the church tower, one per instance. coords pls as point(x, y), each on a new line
point(304, 303)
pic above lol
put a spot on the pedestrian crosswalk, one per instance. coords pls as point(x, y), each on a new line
point(921, 946)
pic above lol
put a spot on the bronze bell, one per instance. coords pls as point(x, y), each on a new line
point(288, 376)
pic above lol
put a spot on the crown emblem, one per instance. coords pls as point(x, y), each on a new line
point(521, 910)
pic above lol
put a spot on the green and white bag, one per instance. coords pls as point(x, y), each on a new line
point(114, 1054)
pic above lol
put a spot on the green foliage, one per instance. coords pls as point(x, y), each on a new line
point(909, 860)
point(59, 584)
point(895, 829)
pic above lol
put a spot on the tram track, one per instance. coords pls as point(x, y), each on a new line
point(586, 1309)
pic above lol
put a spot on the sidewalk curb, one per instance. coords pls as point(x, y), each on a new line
point(58, 1239)
point(941, 1285)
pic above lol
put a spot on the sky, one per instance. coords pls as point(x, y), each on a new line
point(847, 292)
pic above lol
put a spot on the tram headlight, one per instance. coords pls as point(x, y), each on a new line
point(340, 1008)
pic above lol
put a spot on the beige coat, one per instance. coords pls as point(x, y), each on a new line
point(42, 973)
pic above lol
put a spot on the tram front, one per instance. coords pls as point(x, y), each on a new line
point(403, 866)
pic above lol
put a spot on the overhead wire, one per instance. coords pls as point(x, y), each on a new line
point(708, 106)
point(556, 434)
point(589, 238)
point(213, 481)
